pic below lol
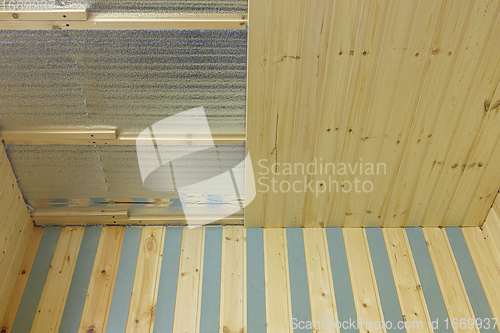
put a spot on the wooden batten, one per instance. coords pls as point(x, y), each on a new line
point(109, 137)
point(53, 20)
point(64, 15)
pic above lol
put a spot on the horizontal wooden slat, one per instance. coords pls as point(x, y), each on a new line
point(109, 138)
point(96, 22)
point(43, 15)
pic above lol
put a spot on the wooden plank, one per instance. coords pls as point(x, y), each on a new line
point(300, 301)
point(80, 281)
point(37, 278)
point(42, 14)
point(277, 281)
point(341, 280)
point(429, 283)
point(16, 252)
point(120, 303)
point(471, 280)
point(408, 286)
point(51, 306)
point(189, 281)
point(11, 231)
point(447, 273)
point(97, 21)
point(165, 306)
point(364, 286)
point(232, 283)
point(21, 281)
point(256, 298)
point(469, 58)
point(491, 233)
point(90, 216)
point(389, 141)
point(273, 62)
point(100, 137)
point(386, 286)
point(392, 195)
point(485, 268)
point(381, 93)
point(94, 315)
point(319, 279)
point(142, 308)
point(211, 291)
point(467, 131)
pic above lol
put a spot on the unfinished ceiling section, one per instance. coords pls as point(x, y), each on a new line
point(110, 85)
point(410, 85)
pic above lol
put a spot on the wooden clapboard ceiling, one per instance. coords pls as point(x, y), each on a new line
point(411, 84)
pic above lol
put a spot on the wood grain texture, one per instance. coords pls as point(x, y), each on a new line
point(232, 285)
point(364, 285)
point(277, 281)
point(408, 287)
point(102, 281)
point(21, 280)
point(410, 86)
point(51, 306)
point(451, 284)
point(142, 307)
point(485, 267)
point(189, 281)
point(319, 278)
point(491, 233)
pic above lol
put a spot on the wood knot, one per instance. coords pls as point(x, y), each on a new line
point(90, 330)
point(228, 238)
point(137, 321)
point(103, 271)
point(365, 305)
point(365, 53)
point(15, 16)
point(454, 166)
point(23, 272)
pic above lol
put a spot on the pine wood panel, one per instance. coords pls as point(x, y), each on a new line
point(364, 285)
point(410, 85)
point(319, 277)
point(102, 281)
point(277, 281)
point(410, 294)
point(189, 281)
point(451, 284)
point(51, 305)
point(142, 308)
point(232, 283)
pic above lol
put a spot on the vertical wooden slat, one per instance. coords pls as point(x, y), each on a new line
point(95, 312)
point(211, 291)
point(142, 308)
point(38, 275)
point(21, 281)
point(447, 273)
point(165, 306)
point(485, 267)
point(408, 286)
point(364, 286)
point(384, 278)
point(319, 279)
point(80, 280)
point(256, 301)
point(472, 283)
point(53, 299)
point(120, 303)
point(491, 233)
point(232, 283)
point(429, 282)
point(278, 298)
point(189, 281)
